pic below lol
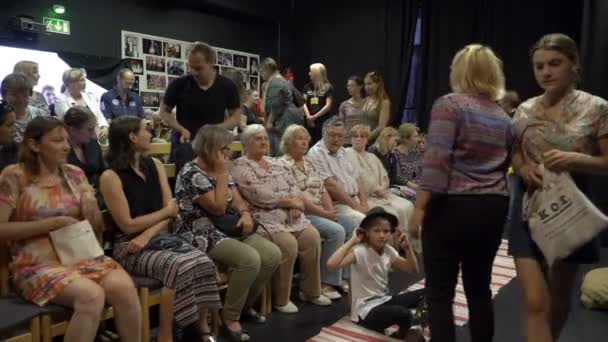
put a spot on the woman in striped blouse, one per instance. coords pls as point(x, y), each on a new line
point(462, 199)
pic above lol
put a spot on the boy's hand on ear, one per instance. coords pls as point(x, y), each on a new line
point(357, 236)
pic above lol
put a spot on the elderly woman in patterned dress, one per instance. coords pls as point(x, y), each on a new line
point(204, 189)
point(278, 204)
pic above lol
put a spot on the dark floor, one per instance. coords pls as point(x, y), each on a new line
point(583, 325)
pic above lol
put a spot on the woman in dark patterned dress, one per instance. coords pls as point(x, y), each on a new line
point(137, 194)
point(204, 188)
point(405, 166)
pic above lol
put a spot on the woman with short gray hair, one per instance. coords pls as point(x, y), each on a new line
point(318, 206)
point(75, 82)
point(204, 191)
point(277, 203)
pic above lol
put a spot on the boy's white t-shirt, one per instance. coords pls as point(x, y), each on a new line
point(369, 279)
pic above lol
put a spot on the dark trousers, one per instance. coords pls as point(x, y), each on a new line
point(395, 311)
point(462, 232)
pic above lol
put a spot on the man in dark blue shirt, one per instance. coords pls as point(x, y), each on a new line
point(120, 100)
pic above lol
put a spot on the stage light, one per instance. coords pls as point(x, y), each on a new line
point(59, 9)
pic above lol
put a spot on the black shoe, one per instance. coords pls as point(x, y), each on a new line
point(252, 315)
point(236, 336)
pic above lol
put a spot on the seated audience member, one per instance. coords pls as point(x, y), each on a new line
point(138, 197)
point(8, 147)
point(48, 91)
point(385, 144)
point(85, 151)
point(509, 102)
point(30, 70)
point(16, 90)
point(41, 194)
point(252, 99)
point(318, 206)
point(339, 176)
point(75, 83)
point(276, 202)
point(120, 100)
point(351, 110)
point(375, 178)
point(405, 166)
point(371, 259)
point(205, 191)
point(237, 78)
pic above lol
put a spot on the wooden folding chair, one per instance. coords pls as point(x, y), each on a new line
point(19, 320)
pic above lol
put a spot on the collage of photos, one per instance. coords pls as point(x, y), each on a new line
point(157, 62)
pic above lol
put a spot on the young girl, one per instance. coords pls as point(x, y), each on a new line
point(371, 258)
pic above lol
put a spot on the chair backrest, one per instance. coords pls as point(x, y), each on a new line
point(170, 170)
point(160, 148)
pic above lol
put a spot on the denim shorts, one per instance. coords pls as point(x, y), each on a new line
point(521, 244)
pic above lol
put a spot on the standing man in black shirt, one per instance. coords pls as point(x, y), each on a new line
point(201, 98)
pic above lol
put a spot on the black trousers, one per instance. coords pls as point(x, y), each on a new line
point(395, 311)
point(462, 232)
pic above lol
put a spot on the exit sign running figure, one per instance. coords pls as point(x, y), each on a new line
point(56, 25)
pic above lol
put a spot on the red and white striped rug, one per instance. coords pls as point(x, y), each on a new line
point(503, 272)
point(344, 330)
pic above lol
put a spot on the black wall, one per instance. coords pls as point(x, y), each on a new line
point(96, 24)
point(346, 36)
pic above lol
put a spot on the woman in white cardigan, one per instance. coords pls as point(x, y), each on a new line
point(75, 83)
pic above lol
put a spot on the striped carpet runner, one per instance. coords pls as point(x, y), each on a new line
point(344, 330)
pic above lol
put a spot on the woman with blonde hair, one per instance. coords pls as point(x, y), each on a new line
point(384, 146)
point(564, 130)
point(377, 106)
point(405, 168)
point(464, 168)
point(75, 94)
point(375, 178)
point(319, 95)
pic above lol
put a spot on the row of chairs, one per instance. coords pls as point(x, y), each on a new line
point(21, 321)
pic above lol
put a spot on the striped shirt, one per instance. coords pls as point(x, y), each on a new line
point(468, 147)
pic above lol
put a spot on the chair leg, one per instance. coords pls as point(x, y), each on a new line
point(144, 299)
point(215, 322)
point(35, 329)
point(267, 300)
point(47, 334)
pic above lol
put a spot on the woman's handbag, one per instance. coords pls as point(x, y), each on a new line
point(228, 224)
point(76, 243)
point(561, 218)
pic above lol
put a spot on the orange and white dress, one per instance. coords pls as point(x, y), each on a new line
point(38, 274)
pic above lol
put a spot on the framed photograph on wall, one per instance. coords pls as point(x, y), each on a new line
point(240, 61)
point(254, 66)
point(150, 99)
point(224, 58)
point(136, 65)
point(253, 83)
point(153, 47)
point(176, 68)
point(173, 50)
point(156, 82)
point(131, 46)
point(155, 64)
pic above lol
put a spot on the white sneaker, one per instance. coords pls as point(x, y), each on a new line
point(321, 300)
point(289, 308)
point(331, 293)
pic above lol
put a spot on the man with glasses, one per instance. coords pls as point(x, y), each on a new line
point(120, 100)
point(340, 177)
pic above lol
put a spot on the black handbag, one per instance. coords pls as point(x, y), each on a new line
point(169, 242)
point(227, 223)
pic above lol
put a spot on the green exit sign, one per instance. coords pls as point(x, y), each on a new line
point(56, 25)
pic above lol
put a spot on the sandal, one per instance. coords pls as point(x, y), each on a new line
point(206, 337)
point(236, 336)
point(252, 315)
